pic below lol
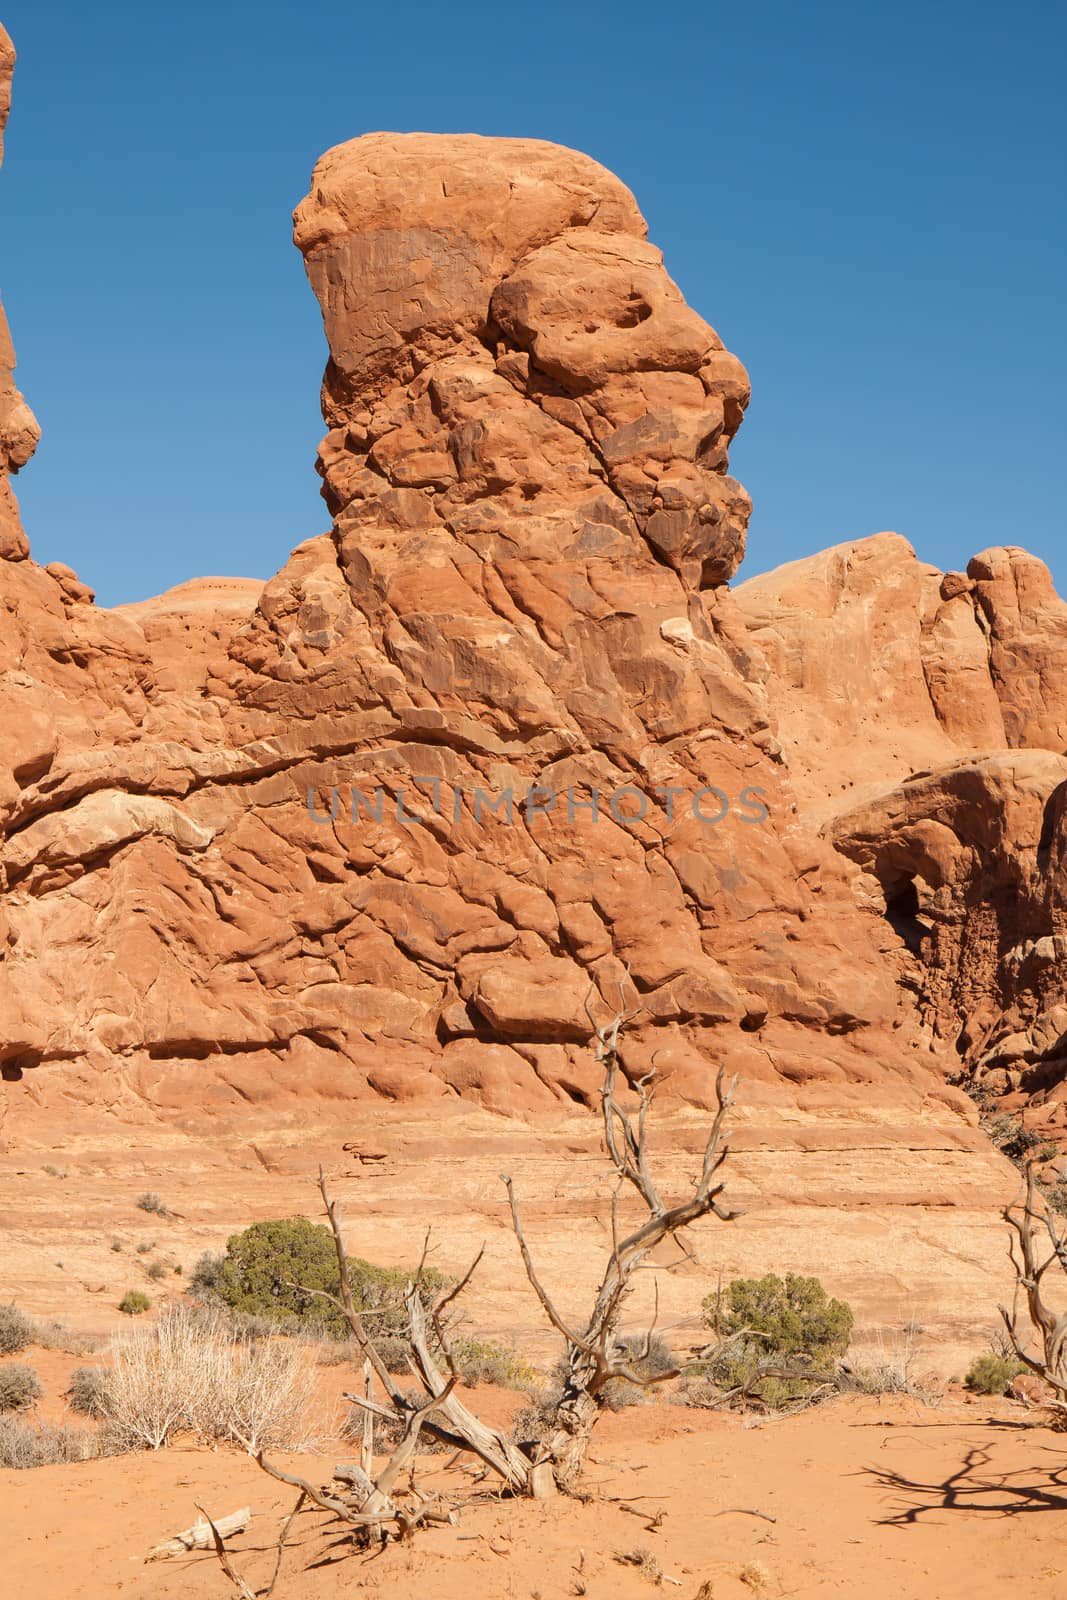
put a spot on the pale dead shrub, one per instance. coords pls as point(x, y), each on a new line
point(23, 1445)
point(191, 1373)
point(160, 1382)
point(261, 1393)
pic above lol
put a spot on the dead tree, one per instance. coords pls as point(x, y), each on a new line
point(1030, 1220)
point(593, 1358)
point(377, 1506)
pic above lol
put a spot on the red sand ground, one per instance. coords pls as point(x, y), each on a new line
point(890, 1499)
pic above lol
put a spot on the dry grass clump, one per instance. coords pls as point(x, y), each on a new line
point(644, 1561)
point(16, 1330)
point(52, 1335)
point(89, 1391)
point(192, 1374)
point(19, 1387)
point(48, 1444)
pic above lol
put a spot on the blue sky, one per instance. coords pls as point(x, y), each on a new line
point(866, 201)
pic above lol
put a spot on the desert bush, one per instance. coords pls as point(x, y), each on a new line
point(190, 1373)
point(646, 1364)
point(159, 1382)
point(16, 1330)
point(52, 1335)
point(991, 1373)
point(259, 1395)
point(889, 1368)
point(648, 1355)
point(388, 1431)
point(19, 1387)
point(134, 1302)
point(263, 1265)
point(538, 1416)
point(156, 1270)
point(535, 1420)
point(482, 1361)
point(47, 1445)
point(89, 1391)
point(204, 1279)
point(789, 1324)
point(152, 1203)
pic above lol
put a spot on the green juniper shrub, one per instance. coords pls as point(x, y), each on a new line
point(791, 1324)
point(133, 1302)
point(991, 1373)
point(19, 1387)
point(262, 1267)
point(16, 1330)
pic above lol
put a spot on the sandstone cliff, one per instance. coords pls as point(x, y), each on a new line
point(524, 585)
point(500, 742)
point(925, 724)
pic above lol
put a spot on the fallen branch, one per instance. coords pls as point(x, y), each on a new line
point(199, 1536)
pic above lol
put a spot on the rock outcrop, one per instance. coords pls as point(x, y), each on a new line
point(924, 719)
point(501, 751)
point(496, 744)
point(19, 431)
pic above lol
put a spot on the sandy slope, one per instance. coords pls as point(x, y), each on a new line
point(891, 1500)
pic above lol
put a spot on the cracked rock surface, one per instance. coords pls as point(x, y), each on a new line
point(364, 842)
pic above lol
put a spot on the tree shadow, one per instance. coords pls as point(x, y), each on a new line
point(972, 1489)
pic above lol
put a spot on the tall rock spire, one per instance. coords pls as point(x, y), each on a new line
point(19, 429)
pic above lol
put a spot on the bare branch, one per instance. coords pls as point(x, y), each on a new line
point(1024, 1217)
point(454, 1294)
point(535, 1283)
point(347, 1303)
point(224, 1561)
point(282, 1536)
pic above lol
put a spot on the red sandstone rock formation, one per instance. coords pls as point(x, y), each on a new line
point(19, 431)
point(523, 594)
point(924, 719)
point(524, 586)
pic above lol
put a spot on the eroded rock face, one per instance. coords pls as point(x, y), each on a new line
point(923, 714)
point(19, 431)
point(488, 759)
point(541, 763)
point(506, 346)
